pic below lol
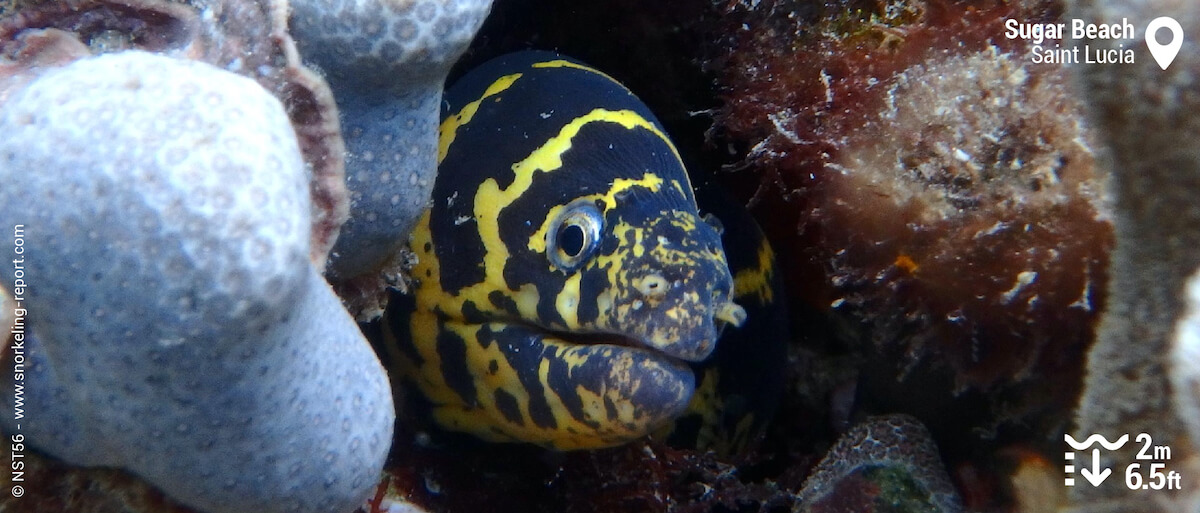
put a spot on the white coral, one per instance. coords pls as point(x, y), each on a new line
point(181, 331)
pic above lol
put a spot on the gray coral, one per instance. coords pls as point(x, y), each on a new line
point(386, 61)
point(1147, 119)
point(1184, 366)
point(181, 330)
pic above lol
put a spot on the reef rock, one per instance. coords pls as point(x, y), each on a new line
point(886, 463)
point(1139, 372)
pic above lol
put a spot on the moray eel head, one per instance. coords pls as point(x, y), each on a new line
point(565, 276)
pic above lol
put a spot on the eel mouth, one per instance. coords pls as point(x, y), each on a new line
point(684, 350)
point(626, 341)
point(612, 339)
point(693, 346)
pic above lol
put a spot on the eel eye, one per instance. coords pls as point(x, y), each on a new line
point(576, 235)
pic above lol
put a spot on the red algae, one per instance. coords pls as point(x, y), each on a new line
point(446, 476)
point(927, 185)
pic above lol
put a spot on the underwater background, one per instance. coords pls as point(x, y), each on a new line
point(979, 253)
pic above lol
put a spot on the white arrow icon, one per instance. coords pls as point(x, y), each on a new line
point(1164, 54)
point(1095, 475)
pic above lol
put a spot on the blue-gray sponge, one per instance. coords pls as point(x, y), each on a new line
point(181, 331)
point(386, 61)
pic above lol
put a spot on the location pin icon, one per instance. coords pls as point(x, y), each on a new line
point(1164, 54)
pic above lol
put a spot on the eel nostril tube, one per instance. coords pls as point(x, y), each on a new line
point(653, 287)
point(731, 313)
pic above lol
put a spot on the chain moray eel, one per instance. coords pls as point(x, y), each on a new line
point(567, 289)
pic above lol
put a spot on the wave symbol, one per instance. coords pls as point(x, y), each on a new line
point(1112, 446)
